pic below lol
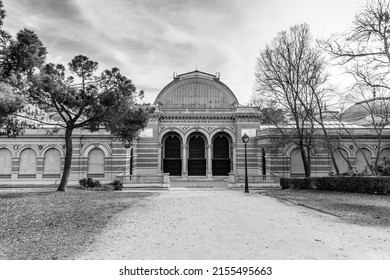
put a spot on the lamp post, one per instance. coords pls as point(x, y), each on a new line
point(245, 139)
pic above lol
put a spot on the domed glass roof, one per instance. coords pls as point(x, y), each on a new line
point(196, 90)
point(362, 111)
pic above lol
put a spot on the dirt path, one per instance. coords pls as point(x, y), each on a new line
point(232, 225)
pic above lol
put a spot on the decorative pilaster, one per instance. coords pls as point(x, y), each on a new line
point(184, 165)
point(209, 162)
point(160, 159)
point(234, 160)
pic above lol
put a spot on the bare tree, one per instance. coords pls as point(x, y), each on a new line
point(290, 77)
point(375, 106)
point(364, 51)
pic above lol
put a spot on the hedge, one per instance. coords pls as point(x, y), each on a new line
point(356, 184)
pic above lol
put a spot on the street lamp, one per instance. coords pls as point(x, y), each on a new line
point(245, 139)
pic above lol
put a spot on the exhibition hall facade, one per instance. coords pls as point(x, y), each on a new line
point(195, 133)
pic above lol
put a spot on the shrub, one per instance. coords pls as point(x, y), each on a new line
point(83, 182)
point(118, 185)
point(295, 183)
point(89, 183)
point(369, 185)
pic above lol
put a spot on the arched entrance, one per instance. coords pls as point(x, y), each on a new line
point(221, 155)
point(196, 155)
point(172, 154)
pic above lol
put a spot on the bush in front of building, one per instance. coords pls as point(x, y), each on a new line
point(296, 183)
point(89, 183)
point(118, 185)
point(356, 184)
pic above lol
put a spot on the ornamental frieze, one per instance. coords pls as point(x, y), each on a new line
point(198, 121)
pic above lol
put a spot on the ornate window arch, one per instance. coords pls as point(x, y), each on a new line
point(96, 163)
point(5, 163)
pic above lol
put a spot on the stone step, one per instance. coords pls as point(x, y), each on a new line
point(264, 186)
point(203, 183)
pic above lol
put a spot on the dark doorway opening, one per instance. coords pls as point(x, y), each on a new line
point(196, 156)
point(172, 155)
point(221, 156)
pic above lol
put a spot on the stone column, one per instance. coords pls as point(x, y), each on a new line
point(209, 162)
point(184, 165)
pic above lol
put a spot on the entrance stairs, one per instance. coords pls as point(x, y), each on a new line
point(198, 183)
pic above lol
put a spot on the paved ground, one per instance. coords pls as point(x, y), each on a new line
point(233, 225)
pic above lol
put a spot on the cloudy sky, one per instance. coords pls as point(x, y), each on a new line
point(150, 39)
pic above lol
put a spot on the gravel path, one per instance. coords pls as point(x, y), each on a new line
point(232, 225)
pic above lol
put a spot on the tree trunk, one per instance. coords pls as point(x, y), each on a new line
point(330, 150)
point(378, 149)
point(68, 159)
point(305, 161)
point(308, 159)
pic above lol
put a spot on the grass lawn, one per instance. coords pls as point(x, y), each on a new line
point(56, 225)
point(362, 209)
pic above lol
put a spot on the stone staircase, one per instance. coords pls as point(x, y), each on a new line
point(199, 183)
point(219, 183)
point(258, 187)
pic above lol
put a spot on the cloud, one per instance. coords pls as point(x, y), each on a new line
point(150, 39)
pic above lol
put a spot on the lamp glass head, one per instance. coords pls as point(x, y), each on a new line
point(245, 138)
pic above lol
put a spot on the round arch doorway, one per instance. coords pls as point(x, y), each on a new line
point(221, 155)
point(172, 154)
point(196, 154)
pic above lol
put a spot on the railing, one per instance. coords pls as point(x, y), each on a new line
point(96, 175)
point(27, 176)
point(256, 179)
point(5, 176)
point(297, 175)
point(51, 176)
point(141, 178)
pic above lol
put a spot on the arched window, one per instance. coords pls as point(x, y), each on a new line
point(385, 153)
point(28, 164)
point(341, 157)
point(172, 155)
point(52, 164)
point(5, 164)
point(296, 164)
point(363, 158)
point(196, 155)
point(221, 155)
point(96, 163)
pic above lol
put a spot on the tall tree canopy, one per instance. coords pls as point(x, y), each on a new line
point(10, 103)
point(87, 101)
point(82, 100)
point(290, 77)
point(19, 59)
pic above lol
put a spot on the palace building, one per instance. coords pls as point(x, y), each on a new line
point(193, 138)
